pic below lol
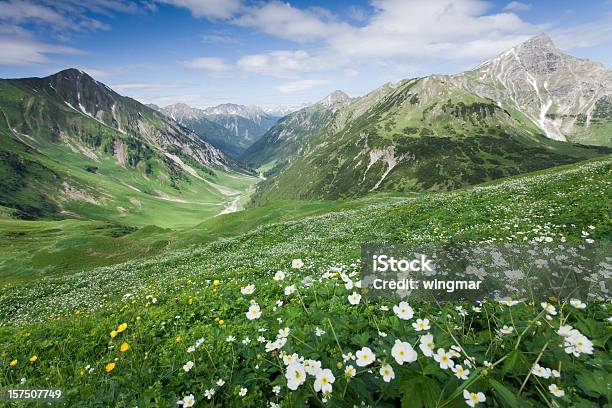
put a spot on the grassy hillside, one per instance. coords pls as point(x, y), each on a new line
point(168, 303)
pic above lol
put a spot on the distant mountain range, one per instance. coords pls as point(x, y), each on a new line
point(230, 127)
point(71, 146)
point(512, 114)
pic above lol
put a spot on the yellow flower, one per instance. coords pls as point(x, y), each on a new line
point(221, 322)
point(124, 347)
point(217, 319)
point(178, 339)
point(77, 312)
point(113, 334)
point(121, 327)
point(33, 358)
point(216, 282)
point(109, 367)
point(137, 317)
point(13, 363)
point(190, 301)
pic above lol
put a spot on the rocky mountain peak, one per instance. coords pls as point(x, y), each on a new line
point(334, 98)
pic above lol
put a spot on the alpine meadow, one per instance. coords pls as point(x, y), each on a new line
point(181, 225)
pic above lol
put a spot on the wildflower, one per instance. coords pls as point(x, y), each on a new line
point(365, 357)
point(312, 367)
point(444, 358)
point(461, 372)
point(348, 356)
point(276, 389)
point(354, 298)
point(254, 312)
point(509, 302)
point(382, 334)
point(113, 334)
point(421, 324)
point(279, 276)
point(427, 345)
point(274, 405)
point(289, 290)
point(187, 401)
point(556, 391)
point(403, 352)
point(319, 332)
point(191, 349)
point(121, 328)
point(472, 398)
point(13, 363)
point(295, 376)
point(209, 394)
point(566, 331)
point(33, 358)
point(349, 371)
point(387, 372)
point(297, 263)
point(243, 391)
point(384, 308)
point(403, 311)
point(550, 309)
point(230, 339)
point(23, 380)
point(283, 332)
point(323, 381)
point(178, 339)
point(540, 371)
point(556, 374)
point(247, 290)
point(220, 382)
point(109, 367)
point(246, 341)
point(290, 358)
point(216, 282)
point(124, 347)
point(506, 329)
point(577, 344)
point(188, 366)
point(221, 322)
point(577, 304)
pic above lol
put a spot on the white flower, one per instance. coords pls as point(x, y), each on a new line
point(540, 371)
point(188, 366)
point(461, 372)
point(509, 302)
point(444, 359)
point(421, 324)
point(506, 329)
point(323, 381)
point(472, 398)
point(365, 357)
point(243, 392)
point(283, 332)
point(209, 393)
point(403, 311)
point(387, 372)
point(279, 276)
point(577, 344)
point(427, 345)
point(279, 303)
point(220, 382)
point(187, 401)
point(289, 290)
point(556, 391)
point(312, 367)
point(577, 304)
point(384, 308)
point(276, 389)
point(403, 352)
point(382, 334)
point(199, 342)
point(319, 332)
point(254, 312)
point(566, 331)
point(349, 371)
point(191, 349)
point(295, 376)
point(274, 405)
point(550, 309)
point(247, 290)
point(246, 341)
point(354, 298)
point(348, 356)
point(349, 284)
point(23, 380)
point(297, 263)
point(230, 339)
point(556, 374)
point(290, 358)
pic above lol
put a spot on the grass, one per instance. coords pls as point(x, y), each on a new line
point(170, 302)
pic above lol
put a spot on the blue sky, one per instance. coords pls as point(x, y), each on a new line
point(272, 53)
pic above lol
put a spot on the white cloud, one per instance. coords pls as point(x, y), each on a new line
point(517, 6)
point(214, 9)
point(210, 64)
point(285, 21)
point(301, 85)
point(284, 64)
point(584, 35)
point(17, 47)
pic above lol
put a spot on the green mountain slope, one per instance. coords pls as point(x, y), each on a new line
point(72, 147)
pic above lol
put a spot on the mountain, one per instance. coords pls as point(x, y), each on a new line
point(442, 132)
point(229, 126)
point(71, 146)
point(568, 98)
point(283, 140)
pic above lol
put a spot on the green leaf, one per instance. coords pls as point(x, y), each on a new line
point(505, 395)
point(595, 383)
point(419, 391)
